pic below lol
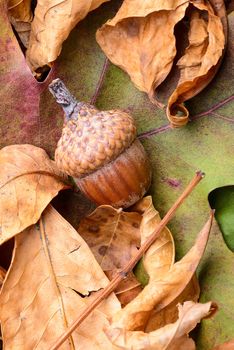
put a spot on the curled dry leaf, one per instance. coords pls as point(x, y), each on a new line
point(158, 260)
point(173, 336)
point(140, 39)
point(225, 346)
point(169, 314)
point(28, 182)
point(144, 33)
point(21, 16)
point(51, 25)
point(55, 274)
point(160, 293)
point(201, 59)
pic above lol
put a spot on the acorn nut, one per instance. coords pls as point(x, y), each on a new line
point(99, 149)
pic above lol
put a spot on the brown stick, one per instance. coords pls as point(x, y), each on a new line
point(123, 273)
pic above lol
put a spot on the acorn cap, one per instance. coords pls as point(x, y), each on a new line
point(90, 138)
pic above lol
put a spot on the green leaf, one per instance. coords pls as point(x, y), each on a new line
point(141, 274)
point(222, 200)
point(28, 113)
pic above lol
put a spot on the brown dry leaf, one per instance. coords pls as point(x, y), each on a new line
point(53, 276)
point(2, 276)
point(140, 40)
point(157, 262)
point(21, 16)
point(128, 289)
point(113, 236)
point(225, 346)
point(206, 46)
point(170, 313)
point(51, 25)
point(161, 255)
point(160, 293)
point(28, 182)
point(171, 337)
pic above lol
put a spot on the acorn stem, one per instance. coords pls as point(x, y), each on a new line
point(63, 97)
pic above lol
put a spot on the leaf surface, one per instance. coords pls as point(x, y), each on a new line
point(161, 255)
point(114, 237)
point(205, 143)
point(112, 234)
point(2, 276)
point(28, 182)
point(158, 294)
point(21, 17)
point(135, 33)
point(169, 314)
point(51, 25)
point(145, 34)
point(171, 337)
point(222, 200)
point(51, 273)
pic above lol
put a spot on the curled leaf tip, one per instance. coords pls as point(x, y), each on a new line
point(178, 115)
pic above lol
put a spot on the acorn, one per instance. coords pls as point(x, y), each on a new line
point(100, 150)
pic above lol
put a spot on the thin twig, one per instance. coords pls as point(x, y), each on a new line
point(124, 272)
point(100, 81)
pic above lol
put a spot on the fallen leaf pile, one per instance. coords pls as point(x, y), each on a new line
point(141, 39)
point(56, 271)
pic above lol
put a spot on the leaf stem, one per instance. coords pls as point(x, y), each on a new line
point(100, 81)
point(211, 110)
point(121, 275)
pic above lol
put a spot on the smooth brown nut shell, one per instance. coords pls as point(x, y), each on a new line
point(122, 182)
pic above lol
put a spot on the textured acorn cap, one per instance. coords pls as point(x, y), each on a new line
point(92, 138)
